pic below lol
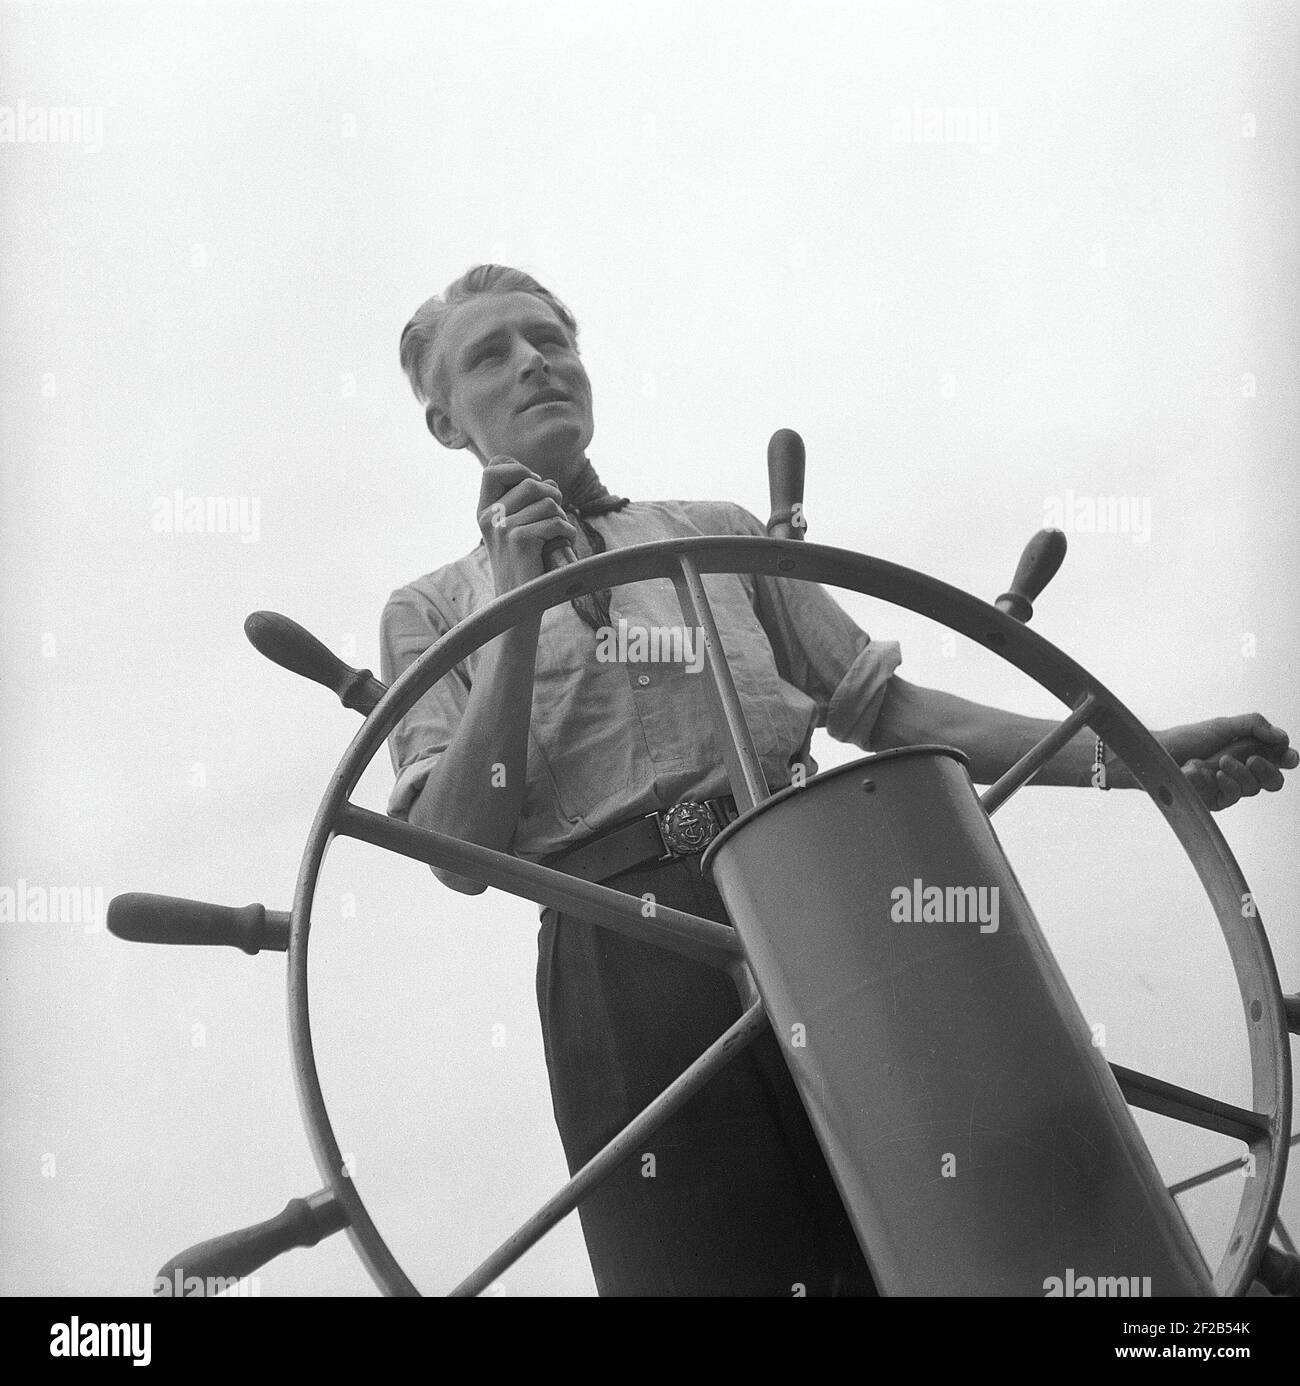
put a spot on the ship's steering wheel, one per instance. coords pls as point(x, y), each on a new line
point(1264, 1127)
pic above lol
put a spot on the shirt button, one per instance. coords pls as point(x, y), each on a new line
point(643, 679)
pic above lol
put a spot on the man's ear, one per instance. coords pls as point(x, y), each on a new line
point(442, 428)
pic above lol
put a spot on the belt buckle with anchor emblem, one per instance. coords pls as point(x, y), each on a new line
point(687, 828)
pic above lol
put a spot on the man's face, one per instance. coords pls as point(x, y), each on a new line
point(508, 379)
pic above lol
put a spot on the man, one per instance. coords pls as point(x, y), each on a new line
point(538, 745)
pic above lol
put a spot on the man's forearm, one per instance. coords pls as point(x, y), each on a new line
point(992, 738)
point(476, 791)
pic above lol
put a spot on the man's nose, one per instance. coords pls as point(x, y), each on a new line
point(533, 363)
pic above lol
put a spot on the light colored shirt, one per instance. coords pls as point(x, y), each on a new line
point(611, 740)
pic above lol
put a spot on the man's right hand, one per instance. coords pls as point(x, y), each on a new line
point(518, 514)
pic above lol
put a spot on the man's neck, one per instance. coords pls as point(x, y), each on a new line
point(586, 494)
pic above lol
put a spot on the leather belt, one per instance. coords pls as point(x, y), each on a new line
point(684, 830)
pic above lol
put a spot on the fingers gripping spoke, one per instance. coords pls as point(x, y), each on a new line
point(1033, 760)
point(705, 940)
point(625, 1144)
point(1155, 1095)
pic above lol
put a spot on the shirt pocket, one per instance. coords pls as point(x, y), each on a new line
point(685, 731)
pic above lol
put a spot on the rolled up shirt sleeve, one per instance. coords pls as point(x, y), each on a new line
point(409, 625)
point(822, 651)
point(855, 704)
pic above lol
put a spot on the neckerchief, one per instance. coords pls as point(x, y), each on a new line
point(586, 496)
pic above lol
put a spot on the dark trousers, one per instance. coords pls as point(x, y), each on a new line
point(732, 1195)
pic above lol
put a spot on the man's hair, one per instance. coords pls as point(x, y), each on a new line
point(420, 334)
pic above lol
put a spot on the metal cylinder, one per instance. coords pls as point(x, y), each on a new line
point(978, 1139)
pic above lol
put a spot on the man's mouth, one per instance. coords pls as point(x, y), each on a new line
point(546, 397)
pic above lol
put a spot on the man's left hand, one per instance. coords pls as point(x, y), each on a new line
point(1227, 758)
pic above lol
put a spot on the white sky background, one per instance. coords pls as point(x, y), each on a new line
point(212, 301)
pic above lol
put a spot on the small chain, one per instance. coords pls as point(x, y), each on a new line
point(1099, 765)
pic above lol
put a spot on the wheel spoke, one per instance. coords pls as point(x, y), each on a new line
point(1196, 1180)
point(303, 1222)
point(748, 783)
point(1155, 1095)
point(1206, 1176)
point(716, 1056)
point(165, 919)
point(705, 940)
point(1034, 759)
